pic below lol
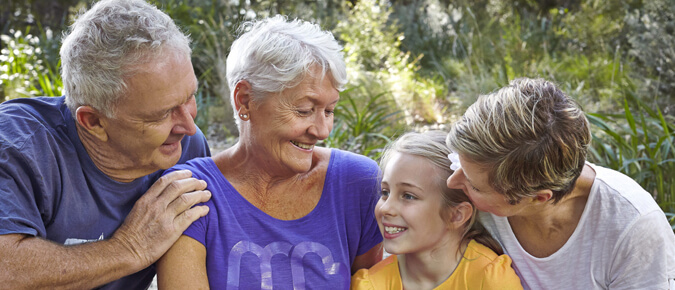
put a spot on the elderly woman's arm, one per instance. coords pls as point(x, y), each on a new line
point(368, 259)
point(183, 266)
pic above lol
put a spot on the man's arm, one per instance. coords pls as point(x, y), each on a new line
point(153, 225)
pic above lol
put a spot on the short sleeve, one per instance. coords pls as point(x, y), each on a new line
point(197, 230)
point(369, 187)
point(644, 258)
point(19, 207)
point(500, 275)
point(361, 281)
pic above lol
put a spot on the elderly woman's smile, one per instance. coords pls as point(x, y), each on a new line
point(303, 146)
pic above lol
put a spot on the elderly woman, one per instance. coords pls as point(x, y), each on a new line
point(285, 213)
point(566, 223)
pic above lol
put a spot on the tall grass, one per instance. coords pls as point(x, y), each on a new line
point(641, 144)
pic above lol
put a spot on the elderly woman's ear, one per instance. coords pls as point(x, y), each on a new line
point(242, 98)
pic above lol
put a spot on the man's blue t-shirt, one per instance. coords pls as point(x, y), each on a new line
point(50, 188)
point(248, 249)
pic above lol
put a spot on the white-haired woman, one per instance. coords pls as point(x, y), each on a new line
point(285, 213)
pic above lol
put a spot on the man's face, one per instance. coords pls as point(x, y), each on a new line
point(155, 115)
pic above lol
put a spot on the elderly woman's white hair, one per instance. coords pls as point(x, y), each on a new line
point(107, 44)
point(275, 54)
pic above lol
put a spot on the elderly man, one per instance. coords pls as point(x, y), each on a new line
point(82, 203)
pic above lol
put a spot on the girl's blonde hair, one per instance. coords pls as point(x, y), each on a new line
point(431, 146)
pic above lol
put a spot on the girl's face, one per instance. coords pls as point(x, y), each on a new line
point(409, 210)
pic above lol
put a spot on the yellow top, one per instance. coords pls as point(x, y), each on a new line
point(480, 268)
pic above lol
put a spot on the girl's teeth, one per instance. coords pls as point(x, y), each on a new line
point(393, 230)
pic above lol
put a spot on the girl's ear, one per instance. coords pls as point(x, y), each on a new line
point(460, 214)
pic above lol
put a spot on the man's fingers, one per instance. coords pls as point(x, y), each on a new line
point(188, 200)
point(185, 219)
point(178, 187)
point(163, 182)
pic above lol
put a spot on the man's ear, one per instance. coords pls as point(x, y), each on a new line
point(92, 121)
point(242, 97)
point(460, 214)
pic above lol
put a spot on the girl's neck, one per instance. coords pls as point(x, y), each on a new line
point(429, 269)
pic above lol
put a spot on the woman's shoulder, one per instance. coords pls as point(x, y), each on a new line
point(200, 167)
point(356, 164)
point(350, 157)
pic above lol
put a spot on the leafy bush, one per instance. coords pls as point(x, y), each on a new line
point(651, 35)
point(374, 59)
point(363, 128)
point(24, 71)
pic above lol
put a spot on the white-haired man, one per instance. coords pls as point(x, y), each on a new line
point(82, 204)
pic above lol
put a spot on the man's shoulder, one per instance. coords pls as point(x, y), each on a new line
point(22, 118)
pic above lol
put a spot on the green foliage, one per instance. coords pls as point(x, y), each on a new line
point(641, 144)
point(24, 71)
point(651, 37)
point(374, 59)
point(363, 128)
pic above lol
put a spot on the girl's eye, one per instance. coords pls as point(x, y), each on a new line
point(474, 188)
point(409, 196)
point(384, 194)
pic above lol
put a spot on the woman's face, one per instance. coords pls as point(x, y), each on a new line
point(409, 210)
point(472, 178)
point(286, 126)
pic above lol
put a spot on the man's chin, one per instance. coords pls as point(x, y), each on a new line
point(169, 155)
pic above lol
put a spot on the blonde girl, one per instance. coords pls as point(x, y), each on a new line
point(429, 229)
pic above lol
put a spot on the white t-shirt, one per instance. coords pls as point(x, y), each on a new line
point(623, 241)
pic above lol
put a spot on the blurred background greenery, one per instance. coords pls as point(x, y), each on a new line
point(417, 64)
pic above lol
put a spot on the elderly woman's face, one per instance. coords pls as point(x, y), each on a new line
point(285, 127)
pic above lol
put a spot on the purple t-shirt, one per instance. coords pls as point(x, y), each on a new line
point(248, 249)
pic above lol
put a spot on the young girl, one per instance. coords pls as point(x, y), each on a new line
point(428, 228)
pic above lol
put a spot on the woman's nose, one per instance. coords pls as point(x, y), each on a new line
point(456, 180)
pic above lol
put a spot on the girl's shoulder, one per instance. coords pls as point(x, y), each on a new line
point(384, 275)
point(495, 271)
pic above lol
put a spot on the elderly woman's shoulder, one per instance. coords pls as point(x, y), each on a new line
point(350, 158)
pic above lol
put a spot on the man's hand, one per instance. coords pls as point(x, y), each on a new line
point(153, 225)
point(161, 215)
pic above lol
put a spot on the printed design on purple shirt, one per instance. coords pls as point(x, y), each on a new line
point(265, 255)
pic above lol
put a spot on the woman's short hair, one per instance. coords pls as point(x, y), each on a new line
point(274, 54)
point(431, 146)
point(106, 45)
point(529, 135)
